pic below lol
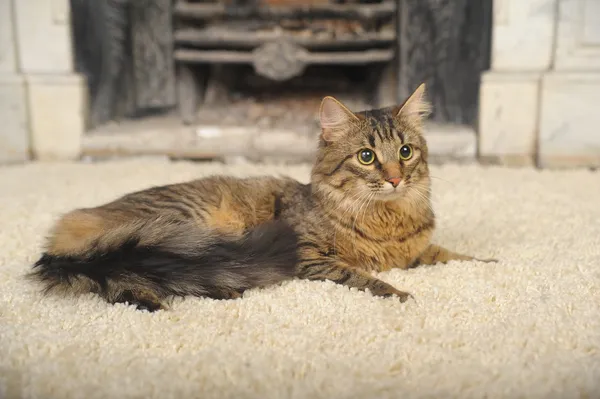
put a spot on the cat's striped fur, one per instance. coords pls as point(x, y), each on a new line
point(220, 235)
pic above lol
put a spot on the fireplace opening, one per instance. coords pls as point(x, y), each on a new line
point(281, 47)
point(266, 64)
point(255, 101)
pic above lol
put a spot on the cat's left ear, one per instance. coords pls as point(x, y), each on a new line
point(335, 119)
point(416, 107)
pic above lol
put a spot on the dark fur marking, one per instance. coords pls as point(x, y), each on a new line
point(418, 230)
point(339, 165)
point(309, 244)
point(414, 167)
point(391, 127)
point(330, 252)
point(306, 190)
point(346, 275)
point(312, 263)
point(352, 228)
point(305, 260)
point(400, 135)
point(344, 181)
point(314, 273)
point(378, 165)
point(143, 207)
point(378, 131)
point(372, 121)
point(175, 207)
point(277, 207)
point(359, 171)
point(371, 140)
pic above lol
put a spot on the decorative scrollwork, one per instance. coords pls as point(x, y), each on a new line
point(279, 60)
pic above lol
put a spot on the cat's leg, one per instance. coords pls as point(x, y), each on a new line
point(317, 267)
point(436, 254)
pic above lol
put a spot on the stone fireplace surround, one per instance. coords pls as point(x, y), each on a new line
point(539, 102)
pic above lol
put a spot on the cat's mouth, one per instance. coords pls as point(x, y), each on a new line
point(388, 192)
point(407, 187)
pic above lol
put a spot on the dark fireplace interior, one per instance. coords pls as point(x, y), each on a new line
point(268, 63)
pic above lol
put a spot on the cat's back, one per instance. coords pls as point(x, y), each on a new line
point(223, 202)
point(215, 189)
point(234, 203)
point(246, 187)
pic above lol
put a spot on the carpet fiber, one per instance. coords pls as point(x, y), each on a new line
point(528, 326)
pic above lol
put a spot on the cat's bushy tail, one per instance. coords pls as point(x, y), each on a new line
point(146, 264)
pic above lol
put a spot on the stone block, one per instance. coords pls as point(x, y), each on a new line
point(284, 143)
point(44, 36)
point(508, 112)
point(570, 120)
point(448, 142)
point(8, 58)
point(522, 35)
point(578, 36)
point(14, 133)
point(57, 115)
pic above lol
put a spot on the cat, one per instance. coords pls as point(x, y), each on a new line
point(366, 209)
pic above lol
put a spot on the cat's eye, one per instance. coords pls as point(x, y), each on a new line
point(366, 157)
point(405, 152)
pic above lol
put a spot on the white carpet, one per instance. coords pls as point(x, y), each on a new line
point(528, 326)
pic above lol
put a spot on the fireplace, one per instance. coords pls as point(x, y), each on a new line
point(106, 73)
point(266, 64)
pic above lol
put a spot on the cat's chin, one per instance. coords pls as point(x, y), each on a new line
point(392, 195)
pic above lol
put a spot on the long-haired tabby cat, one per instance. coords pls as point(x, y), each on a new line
point(367, 209)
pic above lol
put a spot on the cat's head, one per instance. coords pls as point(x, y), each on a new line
point(380, 153)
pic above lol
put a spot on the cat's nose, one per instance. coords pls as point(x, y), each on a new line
point(395, 181)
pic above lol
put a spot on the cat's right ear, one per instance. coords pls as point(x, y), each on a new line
point(335, 119)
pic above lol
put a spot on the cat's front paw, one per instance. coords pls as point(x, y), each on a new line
point(401, 295)
point(385, 290)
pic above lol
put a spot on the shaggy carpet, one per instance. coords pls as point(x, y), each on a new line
point(526, 327)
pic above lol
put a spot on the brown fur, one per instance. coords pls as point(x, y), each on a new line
point(348, 221)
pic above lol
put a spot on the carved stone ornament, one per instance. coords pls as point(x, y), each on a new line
point(279, 60)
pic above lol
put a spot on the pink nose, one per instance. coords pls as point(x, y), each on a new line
point(395, 181)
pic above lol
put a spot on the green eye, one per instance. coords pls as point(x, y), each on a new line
point(366, 157)
point(405, 153)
